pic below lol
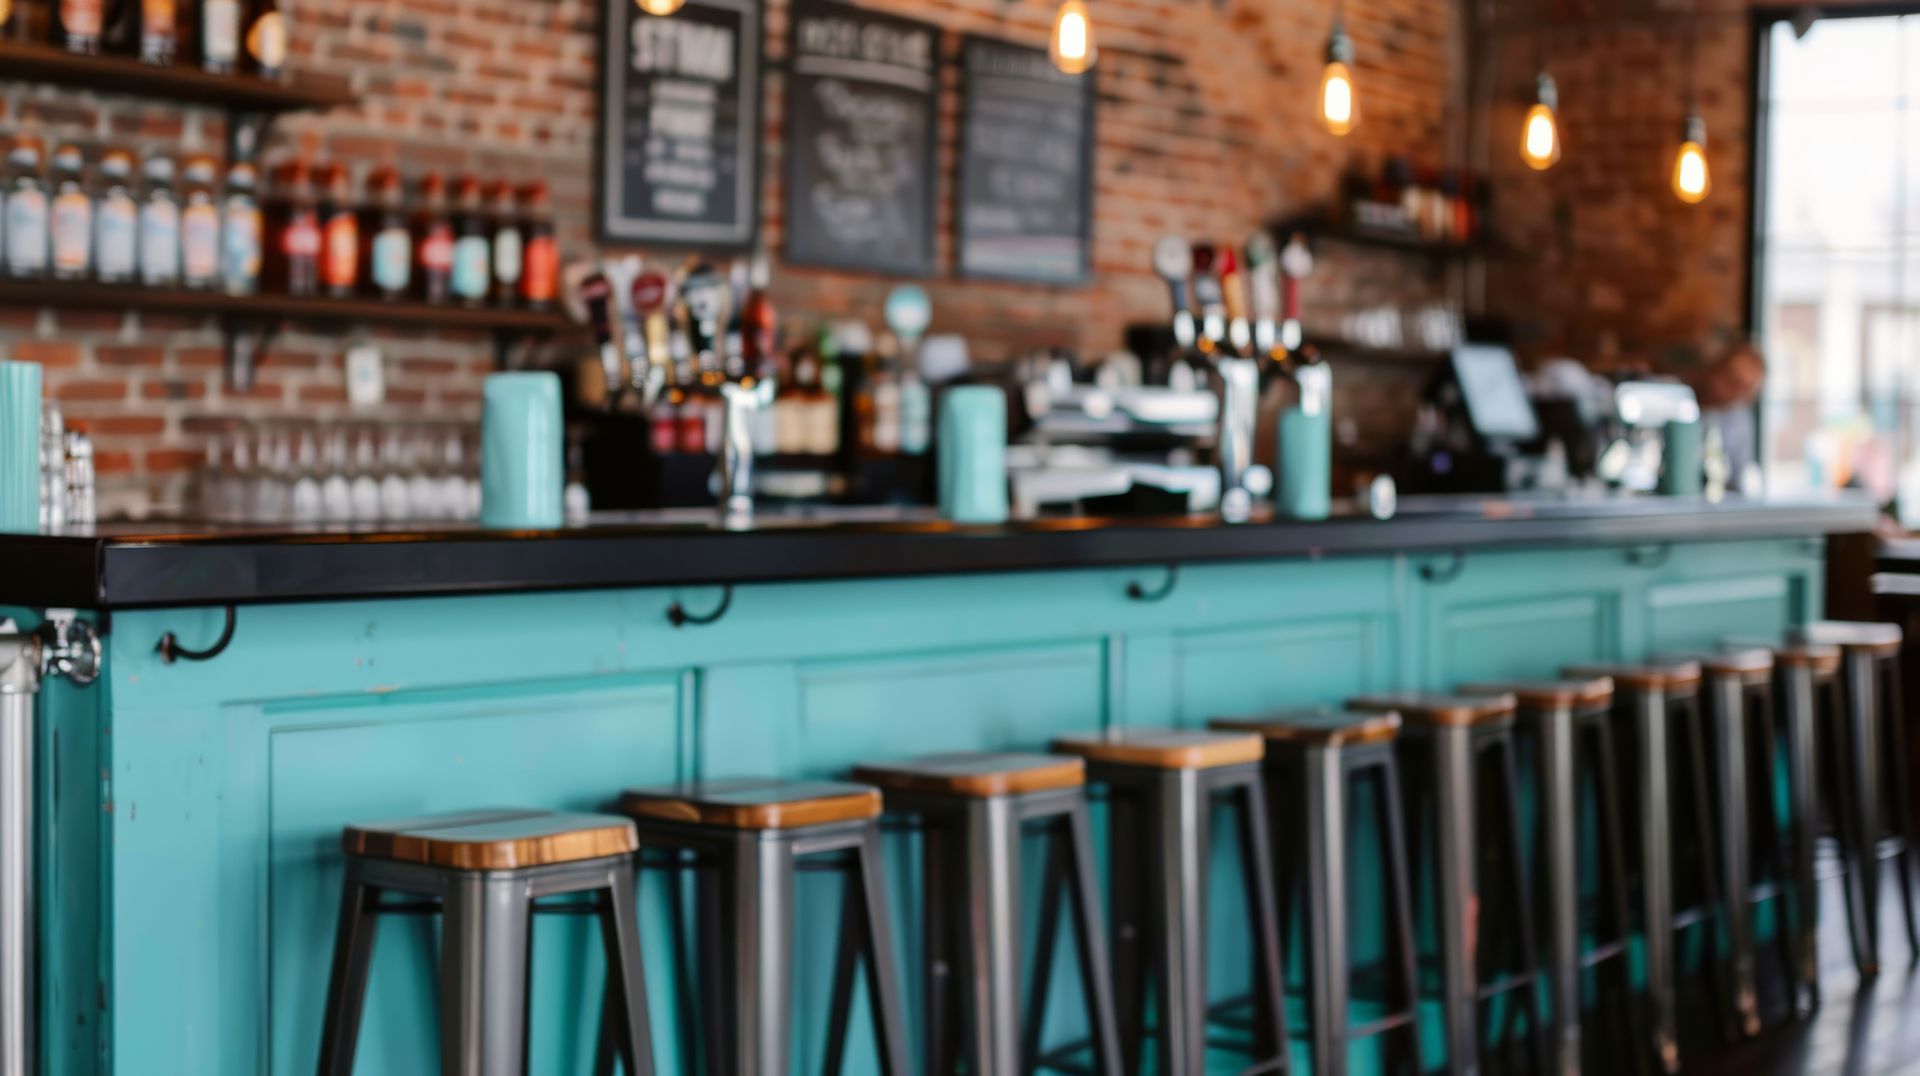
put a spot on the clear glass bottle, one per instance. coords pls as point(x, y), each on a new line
point(386, 239)
point(219, 36)
point(199, 225)
point(266, 40)
point(27, 211)
point(509, 244)
point(116, 221)
point(433, 241)
point(540, 263)
point(70, 228)
point(472, 252)
point(159, 226)
point(159, 30)
point(241, 229)
point(336, 486)
point(339, 233)
point(78, 24)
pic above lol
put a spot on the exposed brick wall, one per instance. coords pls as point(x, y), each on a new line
point(1622, 272)
point(1205, 129)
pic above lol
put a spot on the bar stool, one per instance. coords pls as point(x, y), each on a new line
point(1874, 748)
point(1162, 785)
point(483, 871)
point(1314, 760)
point(974, 809)
point(1477, 826)
point(1661, 701)
point(751, 834)
point(1571, 725)
point(1803, 673)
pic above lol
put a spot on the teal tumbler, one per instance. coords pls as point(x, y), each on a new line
point(1303, 485)
point(1682, 472)
point(973, 454)
point(522, 465)
point(20, 447)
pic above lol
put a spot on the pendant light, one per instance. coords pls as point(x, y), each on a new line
point(1339, 108)
point(1540, 132)
point(1072, 47)
point(1691, 182)
point(659, 7)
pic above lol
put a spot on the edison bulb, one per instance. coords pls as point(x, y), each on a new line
point(1072, 45)
point(1338, 113)
point(1540, 138)
point(659, 7)
point(1691, 182)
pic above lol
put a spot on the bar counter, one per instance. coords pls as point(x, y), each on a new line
point(190, 811)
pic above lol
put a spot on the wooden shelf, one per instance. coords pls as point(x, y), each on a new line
point(85, 295)
point(1335, 347)
point(34, 62)
point(1322, 226)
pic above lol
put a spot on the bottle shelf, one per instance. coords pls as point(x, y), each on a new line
point(90, 295)
point(22, 61)
point(1325, 226)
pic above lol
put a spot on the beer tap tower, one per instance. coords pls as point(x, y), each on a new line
point(63, 646)
point(1225, 344)
point(747, 385)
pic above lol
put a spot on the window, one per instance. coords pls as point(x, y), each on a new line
point(1837, 252)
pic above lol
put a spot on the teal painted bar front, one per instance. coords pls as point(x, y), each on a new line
point(191, 817)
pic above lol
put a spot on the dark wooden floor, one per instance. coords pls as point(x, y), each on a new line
point(1860, 1029)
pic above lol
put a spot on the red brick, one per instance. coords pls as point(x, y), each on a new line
point(128, 425)
point(46, 352)
point(172, 460)
point(140, 355)
point(91, 390)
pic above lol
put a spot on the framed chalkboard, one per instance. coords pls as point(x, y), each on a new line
point(1026, 166)
point(678, 139)
point(862, 124)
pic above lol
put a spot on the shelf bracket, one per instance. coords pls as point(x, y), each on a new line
point(246, 340)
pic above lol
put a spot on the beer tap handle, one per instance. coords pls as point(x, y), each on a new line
point(1173, 261)
point(1233, 288)
point(647, 298)
point(596, 293)
point(1210, 298)
point(1296, 261)
point(1263, 282)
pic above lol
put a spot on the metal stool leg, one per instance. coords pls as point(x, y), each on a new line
point(883, 968)
point(1324, 848)
point(347, 986)
point(1096, 975)
point(1837, 752)
point(1773, 842)
point(1508, 788)
point(1900, 809)
point(629, 1032)
point(991, 887)
point(1180, 838)
point(1270, 987)
point(1714, 893)
point(1053, 898)
point(1656, 872)
point(1456, 867)
point(761, 886)
point(1797, 692)
point(1127, 883)
point(1559, 828)
point(1605, 770)
point(1728, 712)
point(938, 929)
point(1864, 753)
point(1404, 976)
point(483, 976)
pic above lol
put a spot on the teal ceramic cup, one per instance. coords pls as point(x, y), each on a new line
point(1303, 479)
point(973, 454)
point(20, 447)
point(1682, 472)
point(522, 444)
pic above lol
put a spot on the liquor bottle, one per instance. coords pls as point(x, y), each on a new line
point(882, 431)
point(159, 226)
point(908, 314)
point(70, 227)
point(13, 20)
point(116, 221)
point(824, 422)
point(78, 24)
point(293, 233)
point(472, 254)
point(339, 233)
point(266, 39)
point(540, 273)
point(159, 30)
point(386, 240)
point(433, 240)
point(219, 36)
point(663, 416)
point(241, 230)
point(27, 215)
point(199, 225)
point(509, 245)
point(791, 407)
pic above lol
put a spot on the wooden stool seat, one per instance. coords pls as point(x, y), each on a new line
point(1822, 658)
point(1316, 728)
point(1748, 664)
point(1879, 639)
point(1533, 696)
point(1667, 676)
point(754, 803)
point(975, 774)
point(492, 840)
point(1441, 711)
point(1164, 749)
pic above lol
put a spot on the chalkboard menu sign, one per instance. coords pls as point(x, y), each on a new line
point(862, 92)
point(1026, 166)
point(679, 130)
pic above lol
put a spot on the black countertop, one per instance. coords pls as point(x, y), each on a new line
point(130, 566)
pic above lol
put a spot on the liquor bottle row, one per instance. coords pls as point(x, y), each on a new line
point(221, 37)
point(312, 475)
point(1433, 204)
point(308, 235)
point(671, 336)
